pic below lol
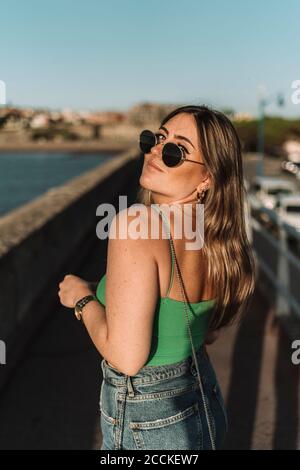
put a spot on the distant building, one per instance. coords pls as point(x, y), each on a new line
point(292, 149)
point(242, 116)
point(148, 113)
point(39, 120)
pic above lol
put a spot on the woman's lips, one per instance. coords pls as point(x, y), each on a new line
point(151, 164)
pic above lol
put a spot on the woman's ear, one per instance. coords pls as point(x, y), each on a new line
point(204, 185)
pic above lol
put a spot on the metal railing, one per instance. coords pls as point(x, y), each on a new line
point(271, 238)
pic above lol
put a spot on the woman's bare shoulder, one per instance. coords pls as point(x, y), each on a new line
point(137, 222)
point(128, 243)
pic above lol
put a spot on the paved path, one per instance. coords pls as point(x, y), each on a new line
point(52, 400)
point(259, 382)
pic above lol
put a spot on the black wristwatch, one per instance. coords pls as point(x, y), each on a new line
point(81, 303)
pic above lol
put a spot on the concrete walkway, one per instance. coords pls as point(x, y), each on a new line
point(52, 400)
point(259, 382)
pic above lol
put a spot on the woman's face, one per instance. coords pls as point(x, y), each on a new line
point(173, 183)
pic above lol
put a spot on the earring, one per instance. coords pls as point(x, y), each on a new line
point(201, 195)
point(149, 197)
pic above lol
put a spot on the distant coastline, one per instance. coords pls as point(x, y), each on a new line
point(107, 146)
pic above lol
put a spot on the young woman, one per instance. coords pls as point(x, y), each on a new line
point(159, 302)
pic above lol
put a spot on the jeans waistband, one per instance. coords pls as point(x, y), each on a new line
point(148, 374)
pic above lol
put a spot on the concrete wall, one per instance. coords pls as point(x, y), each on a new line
point(38, 239)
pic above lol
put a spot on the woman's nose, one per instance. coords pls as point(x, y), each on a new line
point(157, 149)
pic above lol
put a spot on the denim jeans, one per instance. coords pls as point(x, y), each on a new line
point(161, 407)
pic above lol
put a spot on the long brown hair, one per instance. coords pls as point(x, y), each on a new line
point(230, 260)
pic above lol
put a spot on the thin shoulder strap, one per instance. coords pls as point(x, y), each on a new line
point(165, 221)
point(186, 303)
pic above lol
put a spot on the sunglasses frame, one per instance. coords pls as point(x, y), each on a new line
point(183, 157)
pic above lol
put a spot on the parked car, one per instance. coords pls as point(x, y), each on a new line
point(291, 167)
point(267, 189)
point(288, 209)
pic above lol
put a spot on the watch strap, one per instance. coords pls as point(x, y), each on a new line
point(83, 301)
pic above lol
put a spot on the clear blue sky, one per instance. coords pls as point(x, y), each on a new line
point(97, 54)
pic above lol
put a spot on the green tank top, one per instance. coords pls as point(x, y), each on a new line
point(170, 337)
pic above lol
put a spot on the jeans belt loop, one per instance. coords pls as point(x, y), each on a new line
point(103, 368)
point(130, 387)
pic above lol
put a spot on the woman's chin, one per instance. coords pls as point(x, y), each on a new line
point(146, 182)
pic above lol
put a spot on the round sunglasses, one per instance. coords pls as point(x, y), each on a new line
point(172, 154)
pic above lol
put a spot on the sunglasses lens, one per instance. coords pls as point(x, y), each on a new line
point(171, 154)
point(147, 141)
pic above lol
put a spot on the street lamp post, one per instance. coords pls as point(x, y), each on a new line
point(262, 104)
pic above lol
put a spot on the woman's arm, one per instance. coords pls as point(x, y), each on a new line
point(122, 331)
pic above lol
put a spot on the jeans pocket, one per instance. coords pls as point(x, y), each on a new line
point(179, 431)
point(107, 422)
point(108, 431)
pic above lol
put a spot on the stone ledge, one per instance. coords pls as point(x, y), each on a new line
point(24, 220)
point(38, 238)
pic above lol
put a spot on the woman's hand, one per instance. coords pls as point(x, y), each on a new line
point(71, 289)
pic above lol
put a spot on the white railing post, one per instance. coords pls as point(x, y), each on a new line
point(283, 271)
point(281, 305)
